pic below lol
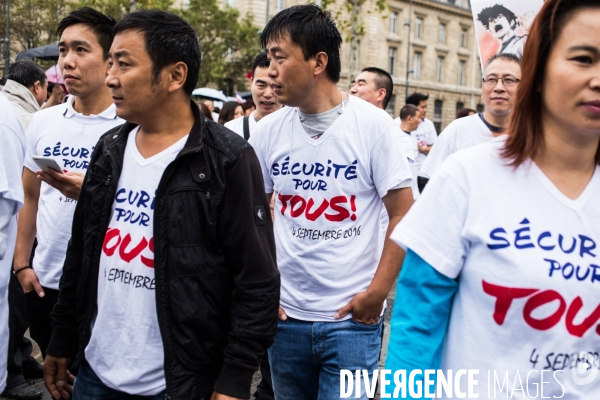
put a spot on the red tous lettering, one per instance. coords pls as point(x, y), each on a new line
point(128, 256)
point(342, 213)
point(312, 216)
point(504, 296)
point(295, 212)
point(579, 330)
point(538, 300)
point(149, 262)
point(111, 234)
point(284, 198)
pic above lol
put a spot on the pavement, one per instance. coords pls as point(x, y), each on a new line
point(39, 384)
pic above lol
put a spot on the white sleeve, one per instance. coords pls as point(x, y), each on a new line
point(433, 226)
point(431, 134)
point(439, 152)
point(30, 146)
point(8, 210)
point(389, 165)
point(258, 143)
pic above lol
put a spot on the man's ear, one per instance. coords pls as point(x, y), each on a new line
point(36, 87)
point(382, 94)
point(177, 75)
point(321, 61)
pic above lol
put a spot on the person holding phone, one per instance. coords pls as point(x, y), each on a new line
point(68, 133)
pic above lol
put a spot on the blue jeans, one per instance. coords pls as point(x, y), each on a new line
point(306, 357)
point(89, 387)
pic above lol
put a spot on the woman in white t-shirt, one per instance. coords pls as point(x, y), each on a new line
point(502, 273)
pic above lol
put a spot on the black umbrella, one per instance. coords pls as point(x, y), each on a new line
point(48, 52)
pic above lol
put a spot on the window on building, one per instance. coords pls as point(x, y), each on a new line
point(462, 68)
point(279, 5)
point(391, 106)
point(419, 28)
point(231, 3)
point(442, 34)
point(438, 105)
point(393, 22)
point(459, 106)
point(463, 38)
point(417, 65)
point(480, 108)
point(392, 60)
point(439, 71)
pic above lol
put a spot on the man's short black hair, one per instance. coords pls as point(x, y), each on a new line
point(169, 39)
point(416, 98)
point(409, 110)
point(102, 25)
point(383, 80)
point(311, 28)
point(503, 56)
point(27, 73)
point(261, 61)
point(491, 13)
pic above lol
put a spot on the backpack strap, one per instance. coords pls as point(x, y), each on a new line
point(246, 128)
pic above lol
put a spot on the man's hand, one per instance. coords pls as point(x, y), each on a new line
point(424, 149)
point(281, 314)
point(364, 307)
point(57, 378)
point(221, 396)
point(68, 183)
point(30, 282)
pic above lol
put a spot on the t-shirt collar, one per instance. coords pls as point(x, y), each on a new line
point(109, 113)
point(493, 128)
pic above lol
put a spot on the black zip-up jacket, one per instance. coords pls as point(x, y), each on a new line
point(217, 284)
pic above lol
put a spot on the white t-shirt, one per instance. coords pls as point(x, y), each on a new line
point(460, 134)
point(69, 137)
point(411, 148)
point(527, 262)
point(12, 150)
point(237, 125)
point(426, 135)
point(126, 349)
point(327, 211)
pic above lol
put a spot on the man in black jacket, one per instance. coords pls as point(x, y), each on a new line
point(170, 287)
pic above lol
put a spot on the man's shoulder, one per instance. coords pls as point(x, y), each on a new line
point(236, 125)
point(49, 115)
point(224, 139)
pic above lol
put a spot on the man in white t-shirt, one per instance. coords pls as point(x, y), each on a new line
point(425, 132)
point(262, 95)
point(68, 133)
point(500, 81)
point(410, 118)
point(332, 160)
point(170, 287)
point(11, 200)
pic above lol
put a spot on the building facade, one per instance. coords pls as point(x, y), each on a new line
point(443, 59)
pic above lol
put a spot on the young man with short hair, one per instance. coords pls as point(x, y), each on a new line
point(499, 88)
point(425, 134)
point(373, 85)
point(333, 161)
point(262, 95)
point(26, 88)
point(68, 133)
point(170, 287)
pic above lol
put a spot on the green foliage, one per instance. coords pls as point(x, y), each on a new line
point(228, 45)
point(33, 22)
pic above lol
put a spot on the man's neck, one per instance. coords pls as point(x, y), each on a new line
point(501, 121)
point(404, 127)
point(257, 115)
point(164, 126)
point(322, 99)
point(93, 103)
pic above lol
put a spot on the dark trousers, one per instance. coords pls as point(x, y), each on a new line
point(19, 347)
point(39, 309)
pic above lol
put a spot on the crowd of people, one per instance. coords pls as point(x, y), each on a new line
point(154, 253)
